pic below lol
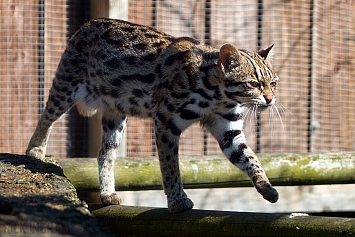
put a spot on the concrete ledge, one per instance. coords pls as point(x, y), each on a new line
point(148, 221)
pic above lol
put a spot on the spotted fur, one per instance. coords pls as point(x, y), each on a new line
point(124, 69)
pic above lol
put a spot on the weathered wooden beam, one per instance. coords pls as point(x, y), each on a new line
point(148, 221)
point(36, 199)
point(216, 171)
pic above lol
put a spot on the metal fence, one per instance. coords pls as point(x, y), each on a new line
point(314, 58)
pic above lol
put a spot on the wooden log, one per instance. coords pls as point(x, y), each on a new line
point(36, 199)
point(148, 221)
point(216, 171)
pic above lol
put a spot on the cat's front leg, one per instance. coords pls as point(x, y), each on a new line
point(167, 140)
point(227, 129)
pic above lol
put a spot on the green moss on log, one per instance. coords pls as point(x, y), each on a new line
point(147, 221)
point(217, 171)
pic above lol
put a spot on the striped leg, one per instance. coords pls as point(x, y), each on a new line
point(227, 129)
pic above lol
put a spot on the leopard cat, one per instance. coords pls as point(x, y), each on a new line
point(124, 69)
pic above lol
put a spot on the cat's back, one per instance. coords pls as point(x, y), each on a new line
point(103, 38)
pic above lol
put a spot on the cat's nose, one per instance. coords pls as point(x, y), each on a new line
point(268, 98)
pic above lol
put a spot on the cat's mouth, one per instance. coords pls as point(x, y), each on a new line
point(263, 107)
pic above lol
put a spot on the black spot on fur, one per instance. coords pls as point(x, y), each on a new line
point(134, 112)
point(128, 29)
point(161, 117)
point(133, 101)
point(150, 35)
point(104, 90)
point(217, 94)
point(130, 60)
point(164, 138)
point(233, 95)
point(137, 93)
point(232, 117)
point(149, 57)
point(173, 128)
point(180, 95)
point(170, 107)
point(140, 46)
point(158, 71)
point(110, 145)
point(237, 154)
point(147, 78)
point(107, 37)
point(192, 101)
point(207, 84)
point(146, 105)
point(203, 104)
point(158, 44)
point(176, 150)
point(74, 84)
point(64, 89)
point(228, 138)
point(113, 63)
point(202, 93)
point(182, 107)
point(116, 82)
point(180, 56)
point(99, 72)
point(55, 86)
point(110, 123)
point(70, 100)
point(119, 107)
point(189, 115)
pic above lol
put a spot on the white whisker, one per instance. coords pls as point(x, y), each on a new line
point(271, 118)
point(280, 118)
point(283, 109)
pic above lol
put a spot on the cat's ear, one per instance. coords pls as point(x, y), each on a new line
point(228, 55)
point(267, 53)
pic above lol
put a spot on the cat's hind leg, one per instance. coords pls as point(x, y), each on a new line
point(112, 131)
point(60, 100)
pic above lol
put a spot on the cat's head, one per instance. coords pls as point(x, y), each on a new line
point(248, 77)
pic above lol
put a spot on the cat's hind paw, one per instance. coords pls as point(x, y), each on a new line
point(36, 152)
point(180, 205)
point(110, 198)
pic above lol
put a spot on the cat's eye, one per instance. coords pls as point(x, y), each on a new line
point(273, 84)
point(254, 84)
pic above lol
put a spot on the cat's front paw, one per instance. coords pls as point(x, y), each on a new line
point(272, 196)
point(110, 198)
point(180, 205)
point(269, 193)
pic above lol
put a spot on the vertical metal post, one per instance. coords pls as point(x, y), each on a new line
point(310, 84)
point(207, 41)
point(154, 25)
point(41, 57)
point(260, 38)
